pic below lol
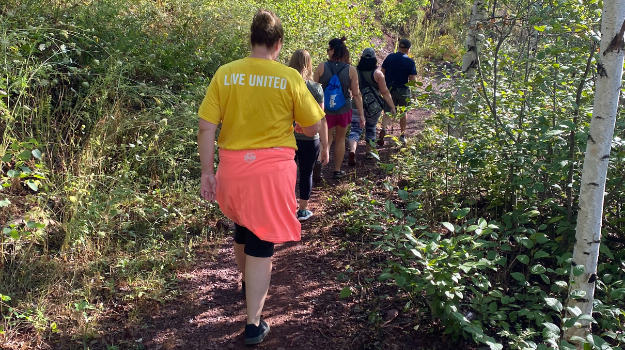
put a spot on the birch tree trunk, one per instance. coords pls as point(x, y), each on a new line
point(595, 168)
point(470, 59)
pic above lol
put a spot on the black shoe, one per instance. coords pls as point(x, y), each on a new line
point(339, 174)
point(317, 172)
point(352, 159)
point(381, 139)
point(255, 334)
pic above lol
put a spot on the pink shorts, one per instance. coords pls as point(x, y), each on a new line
point(342, 120)
point(256, 190)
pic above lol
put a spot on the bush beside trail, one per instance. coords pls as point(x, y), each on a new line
point(99, 169)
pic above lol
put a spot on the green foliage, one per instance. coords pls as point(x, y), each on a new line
point(487, 280)
point(480, 231)
point(98, 124)
point(18, 160)
point(311, 24)
point(439, 35)
point(399, 15)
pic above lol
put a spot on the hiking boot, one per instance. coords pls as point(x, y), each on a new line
point(303, 215)
point(339, 174)
point(352, 159)
point(255, 334)
point(317, 172)
point(381, 138)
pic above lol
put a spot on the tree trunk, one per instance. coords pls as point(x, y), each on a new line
point(469, 59)
point(595, 168)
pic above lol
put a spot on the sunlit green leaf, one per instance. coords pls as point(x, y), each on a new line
point(523, 259)
point(578, 270)
point(36, 153)
point(449, 226)
point(554, 304)
point(25, 155)
point(518, 276)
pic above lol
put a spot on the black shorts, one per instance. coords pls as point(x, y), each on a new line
point(401, 98)
point(254, 246)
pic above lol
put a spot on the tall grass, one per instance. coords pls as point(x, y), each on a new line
point(99, 167)
point(439, 35)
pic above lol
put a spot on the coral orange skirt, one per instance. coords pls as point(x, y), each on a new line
point(256, 189)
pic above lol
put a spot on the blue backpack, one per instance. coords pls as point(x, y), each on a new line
point(333, 97)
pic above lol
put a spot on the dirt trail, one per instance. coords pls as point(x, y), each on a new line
point(303, 306)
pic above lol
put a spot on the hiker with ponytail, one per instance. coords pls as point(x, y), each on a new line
point(340, 84)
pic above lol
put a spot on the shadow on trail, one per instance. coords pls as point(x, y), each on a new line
point(303, 306)
point(300, 303)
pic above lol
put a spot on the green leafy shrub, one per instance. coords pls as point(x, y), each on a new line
point(400, 14)
point(110, 91)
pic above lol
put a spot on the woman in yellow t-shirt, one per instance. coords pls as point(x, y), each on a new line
point(256, 100)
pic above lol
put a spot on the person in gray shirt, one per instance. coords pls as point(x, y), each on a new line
point(308, 147)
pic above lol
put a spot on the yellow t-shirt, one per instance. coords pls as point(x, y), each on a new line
point(257, 100)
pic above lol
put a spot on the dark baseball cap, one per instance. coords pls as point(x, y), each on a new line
point(368, 52)
point(405, 43)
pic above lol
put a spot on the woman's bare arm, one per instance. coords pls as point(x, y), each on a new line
point(318, 73)
point(353, 75)
point(206, 147)
point(378, 76)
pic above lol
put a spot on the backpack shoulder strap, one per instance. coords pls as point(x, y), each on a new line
point(330, 68)
point(344, 66)
point(362, 77)
point(367, 85)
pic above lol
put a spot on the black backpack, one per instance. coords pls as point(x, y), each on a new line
point(371, 101)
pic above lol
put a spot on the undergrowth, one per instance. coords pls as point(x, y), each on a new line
point(479, 212)
point(99, 168)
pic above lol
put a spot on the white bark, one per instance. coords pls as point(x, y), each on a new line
point(474, 39)
point(588, 231)
point(534, 40)
point(469, 60)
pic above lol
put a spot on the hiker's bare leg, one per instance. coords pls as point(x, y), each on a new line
point(257, 281)
point(386, 120)
point(353, 144)
point(402, 124)
point(331, 136)
point(339, 147)
point(239, 256)
point(303, 204)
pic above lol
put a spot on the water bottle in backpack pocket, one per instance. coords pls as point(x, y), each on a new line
point(333, 97)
